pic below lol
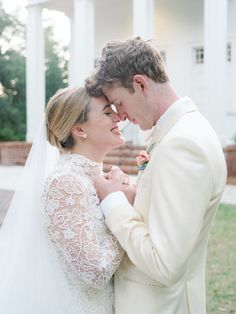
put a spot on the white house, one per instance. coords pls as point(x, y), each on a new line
point(197, 39)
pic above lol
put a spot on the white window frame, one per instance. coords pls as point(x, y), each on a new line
point(198, 55)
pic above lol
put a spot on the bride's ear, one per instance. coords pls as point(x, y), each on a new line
point(78, 131)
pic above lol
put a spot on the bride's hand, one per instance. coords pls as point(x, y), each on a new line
point(129, 189)
point(115, 180)
point(117, 174)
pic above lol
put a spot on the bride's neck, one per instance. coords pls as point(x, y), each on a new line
point(91, 153)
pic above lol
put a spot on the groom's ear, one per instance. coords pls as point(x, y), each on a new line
point(140, 82)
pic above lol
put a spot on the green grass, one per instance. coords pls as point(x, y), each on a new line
point(221, 263)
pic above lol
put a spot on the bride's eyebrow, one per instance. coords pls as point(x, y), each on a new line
point(108, 106)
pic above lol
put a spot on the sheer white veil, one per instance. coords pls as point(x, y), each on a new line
point(31, 279)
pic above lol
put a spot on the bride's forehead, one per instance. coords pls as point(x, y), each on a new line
point(99, 104)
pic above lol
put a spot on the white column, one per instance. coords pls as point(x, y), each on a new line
point(143, 18)
point(82, 42)
point(232, 64)
point(35, 76)
point(143, 26)
point(215, 41)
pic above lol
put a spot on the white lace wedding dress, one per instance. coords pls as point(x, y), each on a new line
point(88, 253)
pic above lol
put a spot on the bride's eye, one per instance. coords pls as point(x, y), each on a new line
point(108, 113)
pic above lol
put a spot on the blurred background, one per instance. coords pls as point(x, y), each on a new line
point(50, 44)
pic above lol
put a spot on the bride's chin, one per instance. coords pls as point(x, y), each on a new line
point(120, 141)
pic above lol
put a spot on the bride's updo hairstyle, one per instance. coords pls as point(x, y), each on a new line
point(66, 108)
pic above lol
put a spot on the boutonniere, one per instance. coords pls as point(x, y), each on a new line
point(142, 160)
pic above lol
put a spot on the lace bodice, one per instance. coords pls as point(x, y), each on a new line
point(89, 253)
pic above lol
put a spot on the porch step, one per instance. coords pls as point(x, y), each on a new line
point(16, 153)
point(123, 157)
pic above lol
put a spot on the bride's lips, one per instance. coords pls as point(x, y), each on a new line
point(116, 131)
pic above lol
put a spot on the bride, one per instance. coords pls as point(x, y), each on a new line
point(56, 253)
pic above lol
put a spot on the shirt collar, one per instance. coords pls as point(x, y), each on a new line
point(170, 110)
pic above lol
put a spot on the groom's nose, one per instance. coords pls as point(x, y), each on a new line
point(115, 117)
point(122, 115)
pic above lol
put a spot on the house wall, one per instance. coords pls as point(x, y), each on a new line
point(179, 27)
point(113, 20)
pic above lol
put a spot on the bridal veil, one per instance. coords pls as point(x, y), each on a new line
point(31, 279)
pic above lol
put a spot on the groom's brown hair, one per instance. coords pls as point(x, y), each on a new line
point(121, 60)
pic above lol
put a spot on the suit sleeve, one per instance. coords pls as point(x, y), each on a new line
point(180, 191)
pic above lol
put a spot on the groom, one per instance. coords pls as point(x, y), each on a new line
point(165, 233)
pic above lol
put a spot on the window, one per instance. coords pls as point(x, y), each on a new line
point(199, 55)
point(229, 52)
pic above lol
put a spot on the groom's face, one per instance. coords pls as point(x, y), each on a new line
point(130, 105)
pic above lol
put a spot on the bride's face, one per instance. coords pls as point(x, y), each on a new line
point(102, 126)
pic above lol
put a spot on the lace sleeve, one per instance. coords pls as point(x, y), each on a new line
point(77, 228)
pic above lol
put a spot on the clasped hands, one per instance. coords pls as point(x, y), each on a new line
point(113, 181)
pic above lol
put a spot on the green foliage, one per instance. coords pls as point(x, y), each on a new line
point(11, 127)
point(12, 75)
point(12, 80)
point(221, 261)
point(56, 75)
point(5, 20)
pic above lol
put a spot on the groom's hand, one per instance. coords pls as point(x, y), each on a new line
point(115, 180)
point(105, 186)
point(116, 172)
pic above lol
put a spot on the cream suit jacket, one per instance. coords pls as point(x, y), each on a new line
point(166, 233)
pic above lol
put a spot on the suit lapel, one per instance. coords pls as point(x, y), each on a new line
point(184, 106)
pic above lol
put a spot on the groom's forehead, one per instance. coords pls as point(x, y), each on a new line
point(113, 91)
point(112, 86)
point(110, 93)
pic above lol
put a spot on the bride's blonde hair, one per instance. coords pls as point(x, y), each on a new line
point(66, 108)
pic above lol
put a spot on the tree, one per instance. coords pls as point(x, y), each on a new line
point(56, 65)
point(12, 79)
point(12, 75)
